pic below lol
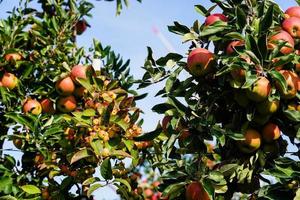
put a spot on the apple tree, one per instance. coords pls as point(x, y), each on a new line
point(231, 115)
point(70, 111)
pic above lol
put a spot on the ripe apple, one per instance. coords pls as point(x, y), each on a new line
point(47, 106)
point(45, 194)
point(260, 90)
point(9, 80)
point(80, 91)
point(211, 19)
point(13, 57)
point(292, 26)
point(32, 106)
point(267, 107)
point(238, 74)
point(79, 71)
point(232, 45)
point(270, 132)
point(292, 81)
point(81, 26)
point(65, 86)
point(195, 191)
point(165, 122)
point(148, 192)
point(200, 61)
point(251, 142)
point(293, 11)
point(284, 37)
point(66, 104)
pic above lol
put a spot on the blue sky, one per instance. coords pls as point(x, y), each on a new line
point(130, 34)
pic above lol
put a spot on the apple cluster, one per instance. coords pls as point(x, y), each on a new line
point(201, 62)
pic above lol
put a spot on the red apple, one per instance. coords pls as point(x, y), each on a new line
point(195, 191)
point(293, 11)
point(13, 57)
point(199, 61)
point(81, 26)
point(47, 106)
point(65, 86)
point(232, 45)
point(165, 122)
point(292, 26)
point(9, 80)
point(32, 106)
point(270, 132)
point(285, 37)
point(292, 81)
point(66, 104)
point(260, 90)
point(79, 71)
point(251, 142)
point(211, 19)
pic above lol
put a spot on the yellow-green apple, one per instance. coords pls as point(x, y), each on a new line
point(282, 36)
point(195, 191)
point(200, 61)
point(292, 26)
point(267, 107)
point(232, 45)
point(260, 90)
point(292, 81)
point(251, 142)
point(293, 11)
point(13, 57)
point(211, 19)
point(270, 132)
point(32, 106)
point(9, 80)
point(65, 86)
point(66, 104)
point(47, 106)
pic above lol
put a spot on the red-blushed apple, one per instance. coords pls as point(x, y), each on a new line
point(81, 26)
point(260, 90)
point(79, 71)
point(165, 122)
point(238, 74)
point(293, 11)
point(297, 65)
point(251, 142)
point(65, 86)
point(267, 107)
point(66, 104)
point(13, 57)
point(230, 48)
point(292, 81)
point(282, 36)
point(47, 106)
point(270, 132)
point(195, 191)
point(292, 26)
point(80, 91)
point(9, 80)
point(32, 106)
point(200, 62)
point(211, 19)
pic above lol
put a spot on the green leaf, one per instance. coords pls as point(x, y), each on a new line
point(106, 171)
point(30, 189)
point(279, 79)
point(174, 190)
point(8, 197)
point(123, 181)
point(162, 108)
point(201, 10)
point(84, 153)
point(217, 27)
point(93, 188)
point(89, 113)
point(90, 180)
point(241, 17)
point(267, 20)
point(292, 115)
point(149, 136)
